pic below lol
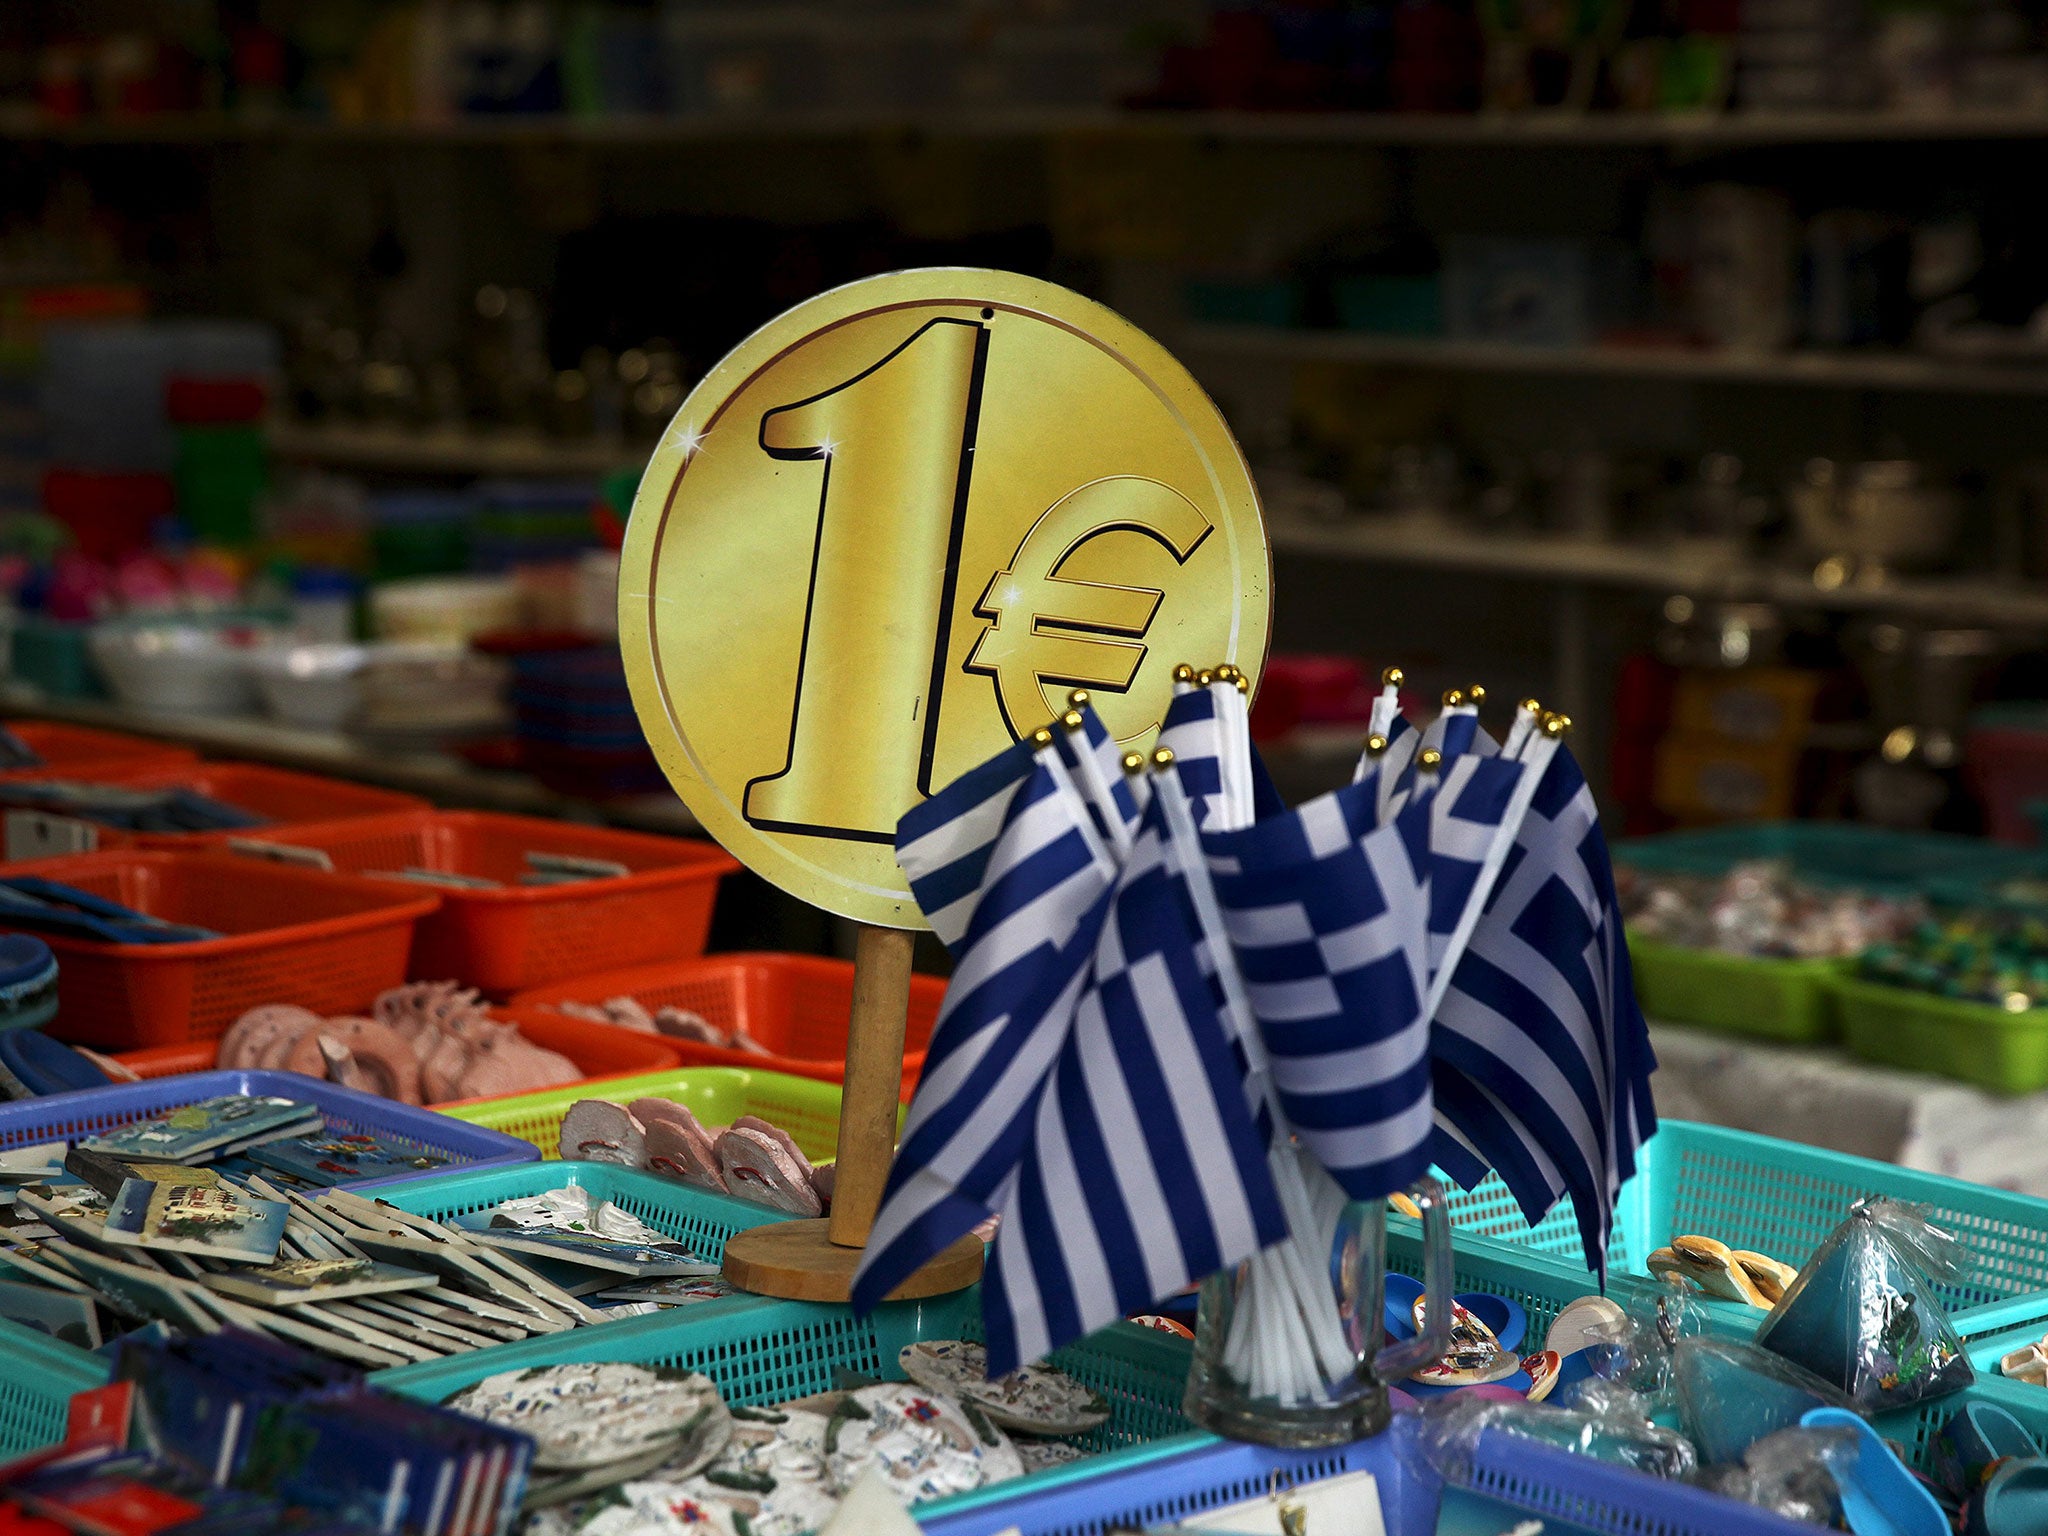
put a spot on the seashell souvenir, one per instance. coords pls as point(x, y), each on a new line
point(1589, 1321)
point(1474, 1357)
point(1542, 1368)
point(594, 1131)
point(585, 1416)
point(771, 1475)
point(1710, 1265)
point(2029, 1364)
point(1037, 1400)
point(1770, 1277)
point(926, 1444)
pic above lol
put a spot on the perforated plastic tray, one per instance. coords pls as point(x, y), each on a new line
point(1780, 1198)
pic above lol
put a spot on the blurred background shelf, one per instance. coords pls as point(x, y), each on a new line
point(392, 450)
point(1597, 129)
point(442, 777)
point(1665, 571)
point(1898, 371)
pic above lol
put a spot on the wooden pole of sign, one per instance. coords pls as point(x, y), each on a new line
point(815, 1260)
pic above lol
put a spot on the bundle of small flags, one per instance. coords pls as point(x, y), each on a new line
point(1186, 1025)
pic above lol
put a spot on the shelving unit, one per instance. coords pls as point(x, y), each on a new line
point(395, 451)
point(1370, 129)
point(1897, 371)
point(1443, 547)
point(441, 777)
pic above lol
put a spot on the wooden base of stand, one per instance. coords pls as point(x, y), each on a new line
point(815, 1260)
point(798, 1262)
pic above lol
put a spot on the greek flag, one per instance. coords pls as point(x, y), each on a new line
point(1542, 1058)
point(1209, 733)
point(1020, 963)
point(943, 846)
point(1143, 1170)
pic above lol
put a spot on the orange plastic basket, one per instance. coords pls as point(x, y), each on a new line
point(288, 936)
point(507, 940)
point(286, 799)
point(76, 752)
point(795, 1005)
point(601, 1050)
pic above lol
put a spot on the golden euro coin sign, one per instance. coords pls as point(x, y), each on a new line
point(888, 534)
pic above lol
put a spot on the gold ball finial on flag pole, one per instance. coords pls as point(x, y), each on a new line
point(1392, 677)
point(1453, 698)
point(1042, 737)
point(1556, 727)
point(1134, 762)
point(1183, 673)
point(1429, 759)
point(1072, 720)
point(1475, 695)
point(1205, 677)
point(1531, 707)
point(1077, 699)
point(1375, 745)
point(1162, 757)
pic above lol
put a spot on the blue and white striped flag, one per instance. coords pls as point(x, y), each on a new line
point(1209, 735)
point(943, 846)
point(1144, 1171)
point(1044, 890)
point(1542, 1058)
point(1326, 912)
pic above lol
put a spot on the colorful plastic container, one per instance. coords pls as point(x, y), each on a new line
point(1782, 1199)
point(1740, 995)
point(1918, 1031)
point(520, 936)
point(797, 1006)
point(67, 1116)
point(76, 751)
point(283, 797)
point(802, 1106)
point(601, 1051)
point(322, 941)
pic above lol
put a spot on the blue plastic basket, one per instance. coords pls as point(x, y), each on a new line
point(1198, 1473)
point(67, 1116)
point(1782, 1199)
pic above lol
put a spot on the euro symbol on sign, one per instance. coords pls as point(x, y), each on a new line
point(1046, 630)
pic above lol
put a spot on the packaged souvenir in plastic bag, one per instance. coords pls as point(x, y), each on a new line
point(1863, 1313)
point(1732, 1394)
point(1609, 1423)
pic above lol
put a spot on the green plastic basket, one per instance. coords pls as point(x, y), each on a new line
point(37, 1377)
point(1783, 1199)
point(1737, 994)
point(1922, 1032)
point(808, 1110)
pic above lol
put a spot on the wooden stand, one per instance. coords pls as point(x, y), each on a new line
point(815, 1260)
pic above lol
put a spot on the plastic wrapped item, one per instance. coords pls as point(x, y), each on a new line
point(1657, 1320)
point(1609, 1425)
point(1863, 1314)
point(1733, 1395)
point(1794, 1473)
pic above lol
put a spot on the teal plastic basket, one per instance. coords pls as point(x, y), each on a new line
point(1841, 853)
point(37, 1377)
point(1782, 1199)
point(700, 1217)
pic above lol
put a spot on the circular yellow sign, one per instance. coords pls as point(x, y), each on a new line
point(891, 530)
